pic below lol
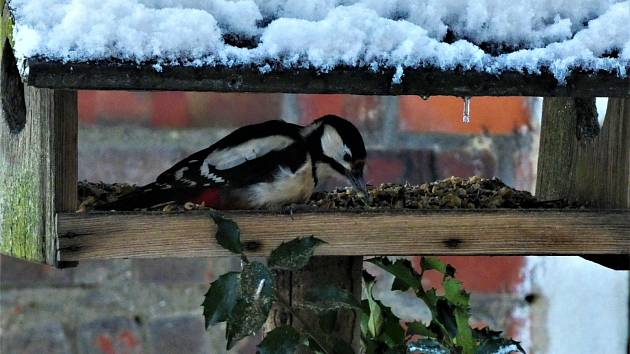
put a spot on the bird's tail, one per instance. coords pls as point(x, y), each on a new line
point(150, 195)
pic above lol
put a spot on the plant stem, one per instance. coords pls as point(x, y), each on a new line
point(310, 331)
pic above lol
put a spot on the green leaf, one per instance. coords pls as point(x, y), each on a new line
point(402, 269)
point(252, 309)
point(491, 342)
point(228, 234)
point(432, 263)
point(281, 340)
point(464, 336)
point(330, 298)
point(375, 317)
point(393, 334)
point(418, 328)
point(221, 297)
point(454, 293)
point(445, 316)
point(499, 345)
point(341, 347)
point(295, 254)
point(426, 346)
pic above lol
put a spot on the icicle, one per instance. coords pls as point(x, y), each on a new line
point(466, 118)
point(425, 97)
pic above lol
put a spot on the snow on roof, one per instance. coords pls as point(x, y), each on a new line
point(484, 35)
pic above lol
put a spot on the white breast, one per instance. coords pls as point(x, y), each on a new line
point(289, 188)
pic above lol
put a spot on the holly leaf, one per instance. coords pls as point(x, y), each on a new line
point(330, 298)
point(281, 340)
point(499, 345)
point(252, 309)
point(374, 316)
point(418, 328)
point(432, 263)
point(221, 297)
point(426, 346)
point(491, 342)
point(295, 254)
point(392, 334)
point(228, 234)
point(454, 293)
point(405, 275)
point(464, 333)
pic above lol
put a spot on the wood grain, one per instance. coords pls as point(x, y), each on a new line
point(110, 75)
point(38, 173)
point(578, 163)
point(492, 232)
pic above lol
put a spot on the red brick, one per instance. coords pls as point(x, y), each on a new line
point(15, 272)
point(462, 163)
point(364, 111)
point(97, 106)
point(442, 114)
point(169, 110)
point(232, 109)
point(109, 336)
point(384, 169)
point(480, 274)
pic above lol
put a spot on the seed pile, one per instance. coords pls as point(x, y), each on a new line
point(451, 193)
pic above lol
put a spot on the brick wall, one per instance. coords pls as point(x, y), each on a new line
point(152, 306)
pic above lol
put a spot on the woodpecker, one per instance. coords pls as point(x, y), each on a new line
point(265, 165)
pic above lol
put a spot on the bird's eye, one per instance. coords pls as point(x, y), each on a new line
point(346, 157)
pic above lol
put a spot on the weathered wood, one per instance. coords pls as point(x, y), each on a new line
point(359, 81)
point(38, 165)
point(579, 162)
point(342, 272)
point(490, 232)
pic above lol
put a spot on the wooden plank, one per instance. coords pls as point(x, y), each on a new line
point(491, 232)
point(579, 161)
point(110, 75)
point(38, 163)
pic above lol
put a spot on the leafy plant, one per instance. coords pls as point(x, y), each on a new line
point(244, 299)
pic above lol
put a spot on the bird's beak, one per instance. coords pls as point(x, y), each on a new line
point(358, 182)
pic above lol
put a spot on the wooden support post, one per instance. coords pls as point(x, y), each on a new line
point(38, 164)
point(343, 272)
point(579, 161)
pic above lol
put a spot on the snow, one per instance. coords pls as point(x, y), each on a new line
point(558, 35)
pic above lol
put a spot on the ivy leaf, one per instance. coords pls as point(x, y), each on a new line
point(418, 328)
point(281, 340)
point(328, 321)
point(426, 346)
point(228, 234)
point(330, 298)
point(341, 347)
point(221, 297)
point(295, 254)
point(252, 309)
point(405, 275)
point(375, 316)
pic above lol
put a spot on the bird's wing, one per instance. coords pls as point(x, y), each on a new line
point(235, 159)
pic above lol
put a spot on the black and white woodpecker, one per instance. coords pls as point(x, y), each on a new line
point(265, 165)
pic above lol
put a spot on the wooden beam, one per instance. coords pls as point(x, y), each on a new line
point(491, 232)
point(109, 75)
point(38, 163)
point(578, 161)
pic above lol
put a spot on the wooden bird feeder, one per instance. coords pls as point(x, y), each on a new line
point(38, 172)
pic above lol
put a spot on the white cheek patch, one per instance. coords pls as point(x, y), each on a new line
point(333, 146)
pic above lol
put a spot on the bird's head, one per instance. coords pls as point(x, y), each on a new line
point(337, 149)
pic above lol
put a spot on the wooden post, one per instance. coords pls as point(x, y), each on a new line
point(38, 163)
point(579, 161)
point(343, 272)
